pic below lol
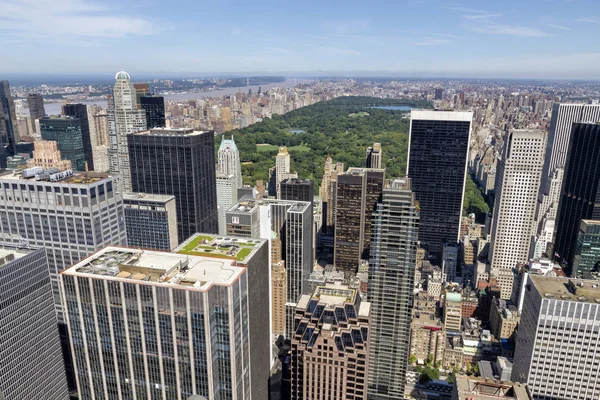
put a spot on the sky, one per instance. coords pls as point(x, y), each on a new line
point(546, 39)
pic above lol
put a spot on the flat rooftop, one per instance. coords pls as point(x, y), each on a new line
point(470, 388)
point(568, 289)
point(159, 198)
point(222, 247)
point(249, 205)
point(9, 253)
point(78, 178)
point(171, 132)
point(435, 115)
point(158, 267)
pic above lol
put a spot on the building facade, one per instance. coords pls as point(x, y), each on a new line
point(9, 131)
point(80, 111)
point(227, 196)
point(391, 281)
point(330, 347)
point(66, 132)
point(282, 167)
point(229, 161)
point(178, 162)
point(586, 260)
point(151, 221)
point(471, 388)
point(30, 353)
point(35, 101)
point(154, 107)
point(437, 167)
point(517, 186)
point(47, 155)
point(374, 156)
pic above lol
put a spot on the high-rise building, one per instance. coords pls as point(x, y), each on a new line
point(557, 339)
point(35, 101)
point(47, 155)
point(374, 155)
point(586, 260)
point(124, 117)
point(356, 196)
point(580, 193)
point(100, 143)
point(66, 132)
point(472, 388)
point(282, 167)
point(80, 111)
point(30, 353)
point(227, 196)
point(179, 162)
point(244, 219)
point(177, 324)
point(279, 297)
point(151, 221)
point(437, 167)
point(517, 186)
point(229, 160)
point(8, 120)
point(439, 94)
point(330, 347)
point(450, 261)
point(297, 190)
point(391, 281)
point(154, 107)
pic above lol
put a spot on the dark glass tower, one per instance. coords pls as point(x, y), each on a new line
point(36, 107)
point(437, 167)
point(80, 111)
point(391, 281)
point(580, 194)
point(66, 132)
point(298, 190)
point(180, 162)
point(8, 120)
point(154, 106)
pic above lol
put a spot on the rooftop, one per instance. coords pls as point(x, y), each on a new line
point(441, 115)
point(248, 205)
point(567, 289)
point(489, 389)
point(170, 132)
point(159, 198)
point(223, 247)
point(54, 176)
point(10, 252)
point(122, 263)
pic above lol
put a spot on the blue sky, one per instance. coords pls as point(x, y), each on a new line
point(526, 38)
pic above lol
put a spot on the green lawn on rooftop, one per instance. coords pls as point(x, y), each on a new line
point(196, 241)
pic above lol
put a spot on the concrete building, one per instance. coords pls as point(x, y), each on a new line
point(586, 261)
point(244, 218)
point(450, 261)
point(30, 355)
point(330, 347)
point(356, 195)
point(176, 324)
point(178, 162)
point(453, 312)
point(100, 142)
point(374, 156)
point(229, 161)
point(391, 283)
point(556, 344)
point(517, 187)
point(227, 196)
point(504, 319)
point(471, 388)
point(66, 132)
point(279, 297)
point(35, 101)
point(151, 221)
point(124, 117)
point(427, 338)
point(47, 155)
point(282, 167)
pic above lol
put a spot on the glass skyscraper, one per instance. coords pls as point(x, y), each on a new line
point(80, 111)
point(67, 134)
point(586, 260)
point(154, 106)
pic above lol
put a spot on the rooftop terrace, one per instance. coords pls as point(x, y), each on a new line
point(226, 247)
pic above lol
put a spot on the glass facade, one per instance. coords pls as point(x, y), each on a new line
point(586, 261)
point(154, 106)
point(80, 111)
point(67, 133)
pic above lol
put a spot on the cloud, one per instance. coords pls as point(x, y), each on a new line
point(279, 50)
point(433, 42)
point(481, 16)
point(589, 20)
point(65, 19)
point(559, 27)
point(507, 30)
point(341, 27)
point(341, 51)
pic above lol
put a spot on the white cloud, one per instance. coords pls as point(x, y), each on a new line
point(481, 16)
point(507, 30)
point(341, 51)
point(432, 42)
point(559, 27)
point(589, 20)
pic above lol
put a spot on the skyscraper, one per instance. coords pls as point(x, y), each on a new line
point(66, 132)
point(227, 196)
point(30, 354)
point(154, 107)
point(517, 185)
point(297, 190)
point(580, 193)
point(391, 281)
point(586, 260)
point(151, 221)
point(124, 118)
point(330, 347)
point(8, 119)
point(556, 348)
point(36, 108)
point(374, 155)
point(179, 324)
point(282, 167)
point(179, 162)
point(47, 155)
point(437, 165)
point(357, 193)
point(229, 160)
point(80, 111)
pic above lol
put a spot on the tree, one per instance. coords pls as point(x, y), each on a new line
point(452, 378)
point(412, 359)
point(429, 374)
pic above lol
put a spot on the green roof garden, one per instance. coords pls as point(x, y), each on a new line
point(232, 248)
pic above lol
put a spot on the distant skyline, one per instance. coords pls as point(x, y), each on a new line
point(537, 39)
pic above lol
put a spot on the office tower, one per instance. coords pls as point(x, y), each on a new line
point(282, 167)
point(154, 107)
point(450, 261)
point(279, 297)
point(36, 107)
point(179, 324)
point(517, 186)
point(229, 160)
point(374, 155)
point(453, 312)
point(24, 126)
point(227, 196)
point(3, 156)
point(439, 93)
point(586, 259)
point(151, 221)
point(141, 90)
point(180, 162)
point(297, 190)
point(556, 349)
point(243, 219)
point(30, 354)
point(80, 111)
point(357, 193)
point(100, 143)
point(437, 166)
point(66, 132)
point(71, 215)
point(46, 155)
point(391, 281)
point(124, 117)
point(472, 388)
point(330, 347)
point(326, 191)
point(580, 193)
point(8, 120)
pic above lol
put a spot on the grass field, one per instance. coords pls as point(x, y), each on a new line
point(271, 147)
point(359, 114)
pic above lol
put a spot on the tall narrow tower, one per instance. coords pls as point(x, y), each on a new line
point(123, 117)
point(229, 160)
point(282, 167)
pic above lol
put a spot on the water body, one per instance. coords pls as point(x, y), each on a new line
point(55, 108)
point(394, 108)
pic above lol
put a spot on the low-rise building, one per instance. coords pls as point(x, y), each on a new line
point(504, 319)
point(471, 388)
point(427, 338)
point(453, 312)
